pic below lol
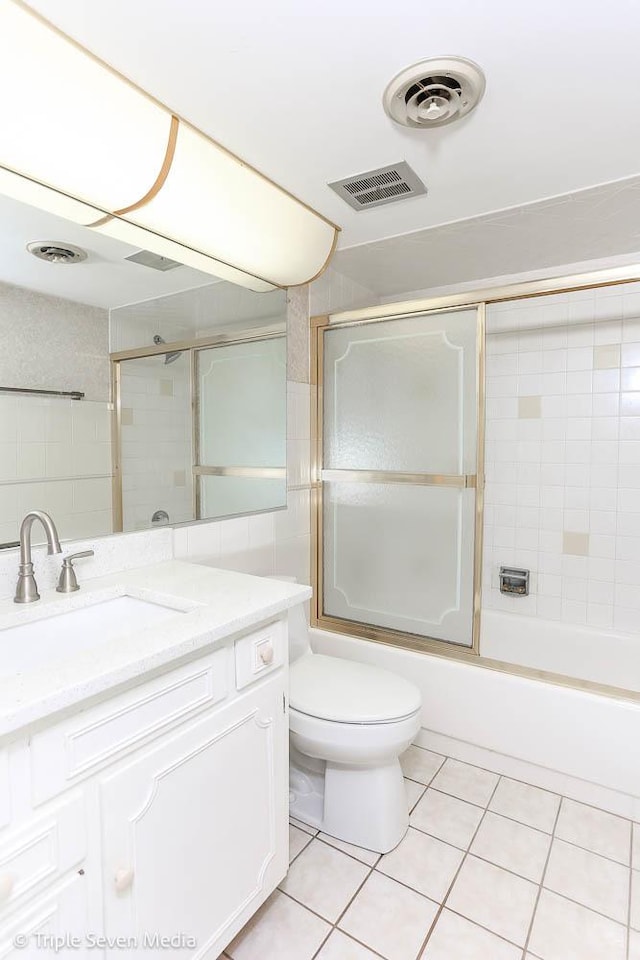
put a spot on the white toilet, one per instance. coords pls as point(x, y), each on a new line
point(349, 722)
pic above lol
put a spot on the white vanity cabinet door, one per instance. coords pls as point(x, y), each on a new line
point(194, 830)
point(55, 924)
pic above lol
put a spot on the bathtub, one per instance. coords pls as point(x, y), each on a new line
point(578, 743)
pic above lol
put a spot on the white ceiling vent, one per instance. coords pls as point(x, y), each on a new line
point(434, 92)
point(375, 187)
point(54, 252)
point(153, 260)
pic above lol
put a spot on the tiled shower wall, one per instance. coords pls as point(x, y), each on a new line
point(563, 455)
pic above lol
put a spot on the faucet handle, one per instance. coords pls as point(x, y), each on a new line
point(68, 582)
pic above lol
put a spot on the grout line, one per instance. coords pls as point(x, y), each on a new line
point(540, 886)
point(455, 876)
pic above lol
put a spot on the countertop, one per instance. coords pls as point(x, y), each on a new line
point(210, 605)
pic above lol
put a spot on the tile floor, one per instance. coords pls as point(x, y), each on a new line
point(491, 869)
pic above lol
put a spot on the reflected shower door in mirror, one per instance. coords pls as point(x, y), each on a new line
point(202, 430)
point(399, 466)
point(241, 404)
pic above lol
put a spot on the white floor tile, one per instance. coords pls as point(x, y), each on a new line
point(298, 840)
point(530, 805)
point(634, 945)
point(423, 863)
point(365, 856)
point(341, 947)
point(494, 898)
point(635, 853)
point(466, 782)
point(635, 900)
point(419, 764)
point(414, 792)
point(455, 938)
point(389, 918)
point(447, 818)
point(594, 830)
point(512, 845)
point(280, 930)
point(303, 826)
point(563, 930)
point(593, 881)
point(324, 879)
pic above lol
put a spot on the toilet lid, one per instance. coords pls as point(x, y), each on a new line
point(348, 692)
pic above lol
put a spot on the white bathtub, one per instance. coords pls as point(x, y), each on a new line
point(583, 652)
point(580, 744)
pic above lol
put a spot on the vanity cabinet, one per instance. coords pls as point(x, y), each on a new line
point(161, 812)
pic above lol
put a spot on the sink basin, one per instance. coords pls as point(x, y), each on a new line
point(36, 645)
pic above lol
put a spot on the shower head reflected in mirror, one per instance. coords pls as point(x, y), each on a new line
point(168, 357)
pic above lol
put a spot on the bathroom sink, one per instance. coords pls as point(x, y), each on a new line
point(50, 640)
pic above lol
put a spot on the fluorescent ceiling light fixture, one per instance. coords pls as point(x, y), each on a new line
point(81, 141)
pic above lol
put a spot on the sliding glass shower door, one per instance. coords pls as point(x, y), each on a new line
point(399, 457)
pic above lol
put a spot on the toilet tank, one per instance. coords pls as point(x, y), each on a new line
point(298, 627)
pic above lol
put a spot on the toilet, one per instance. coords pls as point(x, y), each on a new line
point(348, 724)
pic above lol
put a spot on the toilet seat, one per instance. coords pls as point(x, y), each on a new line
point(344, 691)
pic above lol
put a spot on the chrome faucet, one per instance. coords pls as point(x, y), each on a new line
point(27, 588)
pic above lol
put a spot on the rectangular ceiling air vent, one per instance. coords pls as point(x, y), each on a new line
point(153, 260)
point(376, 187)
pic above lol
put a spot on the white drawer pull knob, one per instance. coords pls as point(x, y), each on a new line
point(266, 653)
point(123, 879)
point(6, 886)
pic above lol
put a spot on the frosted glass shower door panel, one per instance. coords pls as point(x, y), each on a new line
point(225, 496)
point(243, 404)
point(400, 556)
point(400, 395)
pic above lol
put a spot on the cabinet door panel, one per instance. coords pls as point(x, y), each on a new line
point(194, 830)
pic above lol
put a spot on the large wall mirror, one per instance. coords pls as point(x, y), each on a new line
point(134, 391)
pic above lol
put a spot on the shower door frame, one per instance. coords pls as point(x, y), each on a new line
point(481, 297)
point(192, 347)
point(320, 475)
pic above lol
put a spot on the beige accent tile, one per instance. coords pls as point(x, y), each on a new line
point(494, 898)
point(635, 853)
point(594, 830)
point(466, 782)
point(303, 826)
point(447, 818)
point(419, 764)
point(530, 805)
point(576, 544)
point(389, 918)
point(324, 879)
point(606, 357)
point(166, 388)
point(513, 846)
point(455, 938)
point(635, 900)
point(563, 930)
point(529, 408)
point(298, 840)
point(280, 930)
point(414, 792)
point(423, 863)
point(126, 417)
point(634, 945)
point(365, 856)
point(591, 880)
point(341, 947)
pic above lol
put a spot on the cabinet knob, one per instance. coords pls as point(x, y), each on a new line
point(6, 886)
point(266, 653)
point(123, 879)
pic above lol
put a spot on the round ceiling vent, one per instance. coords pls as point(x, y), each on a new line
point(434, 92)
point(56, 252)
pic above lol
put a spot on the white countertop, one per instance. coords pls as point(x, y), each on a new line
point(218, 603)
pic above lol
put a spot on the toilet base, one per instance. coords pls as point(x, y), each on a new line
point(366, 806)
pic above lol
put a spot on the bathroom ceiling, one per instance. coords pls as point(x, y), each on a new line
point(296, 90)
